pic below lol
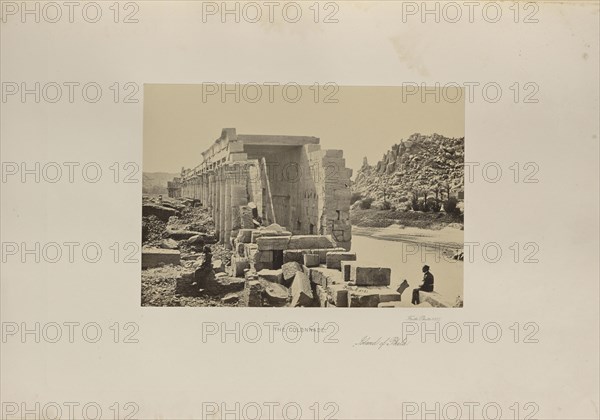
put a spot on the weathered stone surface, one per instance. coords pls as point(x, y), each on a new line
point(218, 266)
point(260, 233)
point(338, 295)
point(321, 296)
point(180, 234)
point(362, 299)
point(436, 300)
point(155, 257)
point(169, 244)
point(334, 259)
point(325, 276)
point(275, 294)
point(311, 260)
point(302, 294)
point(238, 265)
point(272, 243)
point(224, 284)
point(274, 276)
point(253, 294)
point(289, 270)
point(201, 239)
point(388, 295)
point(163, 213)
point(311, 242)
point(245, 236)
point(230, 298)
point(246, 219)
point(369, 275)
point(298, 254)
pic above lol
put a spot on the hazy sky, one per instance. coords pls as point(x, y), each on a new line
point(181, 121)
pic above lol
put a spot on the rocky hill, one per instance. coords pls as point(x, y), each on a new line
point(156, 182)
point(418, 166)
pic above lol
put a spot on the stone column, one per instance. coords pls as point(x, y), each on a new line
point(221, 212)
point(228, 172)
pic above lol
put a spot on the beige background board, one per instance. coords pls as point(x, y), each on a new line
point(171, 372)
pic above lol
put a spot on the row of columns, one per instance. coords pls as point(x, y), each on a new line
point(222, 190)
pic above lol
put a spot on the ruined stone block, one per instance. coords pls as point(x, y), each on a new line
point(156, 257)
point(259, 233)
point(239, 249)
point(389, 296)
point(310, 242)
point(302, 294)
point(274, 276)
point(238, 265)
point(253, 294)
point(272, 243)
point(311, 260)
point(325, 276)
point(338, 295)
point(334, 153)
point(368, 275)
point(362, 299)
point(334, 259)
point(264, 256)
point(321, 293)
point(345, 267)
point(293, 255)
point(275, 294)
point(289, 270)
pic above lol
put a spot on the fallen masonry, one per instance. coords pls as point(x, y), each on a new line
point(246, 235)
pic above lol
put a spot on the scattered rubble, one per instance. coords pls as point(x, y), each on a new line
point(267, 266)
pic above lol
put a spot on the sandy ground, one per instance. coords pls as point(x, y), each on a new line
point(406, 250)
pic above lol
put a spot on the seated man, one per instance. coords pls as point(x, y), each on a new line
point(426, 285)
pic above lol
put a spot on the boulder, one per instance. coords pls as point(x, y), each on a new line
point(302, 294)
point(169, 244)
point(161, 212)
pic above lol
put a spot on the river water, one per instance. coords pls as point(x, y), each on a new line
point(406, 257)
